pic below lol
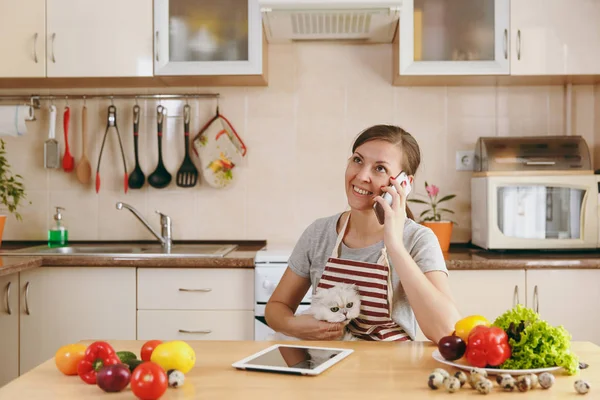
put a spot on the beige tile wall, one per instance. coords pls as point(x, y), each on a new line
point(298, 131)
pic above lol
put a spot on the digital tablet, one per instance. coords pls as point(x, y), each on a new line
point(291, 359)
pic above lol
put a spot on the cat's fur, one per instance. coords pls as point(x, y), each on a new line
point(326, 300)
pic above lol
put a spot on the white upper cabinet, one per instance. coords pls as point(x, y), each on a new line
point(22, 38)
point(555, 37)
point(458, 37)
point(207, 37)
point(109, 38)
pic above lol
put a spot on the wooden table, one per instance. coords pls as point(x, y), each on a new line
point(373, 371)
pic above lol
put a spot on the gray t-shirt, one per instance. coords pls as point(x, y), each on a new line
point(316, 244)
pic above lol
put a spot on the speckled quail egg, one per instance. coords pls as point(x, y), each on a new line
point(507, 383)
point(523, 383)
point(474, 378)
point(546, 380)
point(534, 380)
point(452, 384)
point(499, 377)
point(479, 371)
point(461, 376)
point(176, 378)
point(442, 371)
point(435, 380)
point(581, 386)
point(484, 386)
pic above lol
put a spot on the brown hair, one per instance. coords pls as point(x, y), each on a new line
point(397, 136)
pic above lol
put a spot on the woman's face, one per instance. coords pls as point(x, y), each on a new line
point(370, 168)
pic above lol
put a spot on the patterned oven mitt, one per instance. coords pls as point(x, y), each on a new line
point(219, 149)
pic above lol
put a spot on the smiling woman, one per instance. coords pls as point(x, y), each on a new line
point(398, 266)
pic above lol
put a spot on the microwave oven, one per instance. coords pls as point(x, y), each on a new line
point(534, 193)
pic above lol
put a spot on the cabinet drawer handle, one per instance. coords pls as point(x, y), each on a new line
point(52, 42)
point(516, 296)
point(157, 58)
point(201, 331)
point(27, 311)
point(8, 309)
point(506, 44)
point(35, 36)
point(536, 299)
point(195, 290)
point(519, 44)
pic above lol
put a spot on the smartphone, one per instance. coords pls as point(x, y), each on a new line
point(402, 177)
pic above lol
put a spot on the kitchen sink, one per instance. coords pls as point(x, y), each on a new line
point(133, 250)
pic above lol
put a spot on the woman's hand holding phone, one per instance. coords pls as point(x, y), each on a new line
point(394, 215)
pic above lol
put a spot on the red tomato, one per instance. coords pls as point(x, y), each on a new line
point(148, 348)
point(148, 381)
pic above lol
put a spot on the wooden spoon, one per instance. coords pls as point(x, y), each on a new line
point(84, 169)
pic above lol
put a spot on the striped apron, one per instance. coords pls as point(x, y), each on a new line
point(374, 284)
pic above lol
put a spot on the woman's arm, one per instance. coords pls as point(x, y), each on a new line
point(280, 309)
point(429, 295)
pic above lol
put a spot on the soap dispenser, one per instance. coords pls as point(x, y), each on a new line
point(58, 235)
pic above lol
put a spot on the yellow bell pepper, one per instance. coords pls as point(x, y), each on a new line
point(464, 326)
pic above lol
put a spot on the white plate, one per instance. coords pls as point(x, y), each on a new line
point(461, 364)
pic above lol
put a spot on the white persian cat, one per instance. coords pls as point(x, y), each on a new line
point(340, 303)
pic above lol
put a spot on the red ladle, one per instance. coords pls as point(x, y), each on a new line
point(68, 160)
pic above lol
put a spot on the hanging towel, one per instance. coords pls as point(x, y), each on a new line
point(12, 120)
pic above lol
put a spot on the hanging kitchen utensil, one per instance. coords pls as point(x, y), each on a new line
point(218, 151)
point(137, 177)
point(187, 176)
point(84, 168)
point(51, 147)
point(68, 160)
point(111, 121)
point(160, 178)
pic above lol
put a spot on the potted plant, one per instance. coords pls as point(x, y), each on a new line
point(432, 216)
point(12, 191)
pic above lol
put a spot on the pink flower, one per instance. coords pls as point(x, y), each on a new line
point(432, 190)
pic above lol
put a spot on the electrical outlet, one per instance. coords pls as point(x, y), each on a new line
point(465, 160)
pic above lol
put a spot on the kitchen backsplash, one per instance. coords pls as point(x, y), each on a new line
point(298, 132)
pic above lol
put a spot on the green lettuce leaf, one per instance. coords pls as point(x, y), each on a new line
point(537, 344)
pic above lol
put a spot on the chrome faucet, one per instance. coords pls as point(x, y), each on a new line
point(165, 238)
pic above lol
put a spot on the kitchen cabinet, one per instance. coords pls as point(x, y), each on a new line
point(22, 38)
point(567, 297)
point(485, 292)
point(195, 303)
point(110, 38)
point(555, 37)
point(461, 37)
point(196, 325)
point(207, 37)
point(9, 328)
point(62, 305)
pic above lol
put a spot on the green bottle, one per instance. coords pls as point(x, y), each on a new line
point(58, 235)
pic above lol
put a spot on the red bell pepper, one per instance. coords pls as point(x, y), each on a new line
point(97, 355)
point(487, 346)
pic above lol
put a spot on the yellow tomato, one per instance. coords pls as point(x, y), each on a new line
point(174, 355)
point(463, 327)
point(68, 356)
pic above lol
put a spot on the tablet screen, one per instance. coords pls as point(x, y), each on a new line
point(305, 360)
point(295, 357)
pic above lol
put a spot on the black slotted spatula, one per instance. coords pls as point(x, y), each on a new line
point(187, 175)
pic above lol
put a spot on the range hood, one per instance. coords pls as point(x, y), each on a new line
point(366, 21)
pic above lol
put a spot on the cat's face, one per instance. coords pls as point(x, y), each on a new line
point(340, 303)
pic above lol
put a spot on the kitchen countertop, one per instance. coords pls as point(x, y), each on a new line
point(10, 265)
point(460, 257)
point(376, 370)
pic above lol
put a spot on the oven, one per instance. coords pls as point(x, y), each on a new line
point(270, 264)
